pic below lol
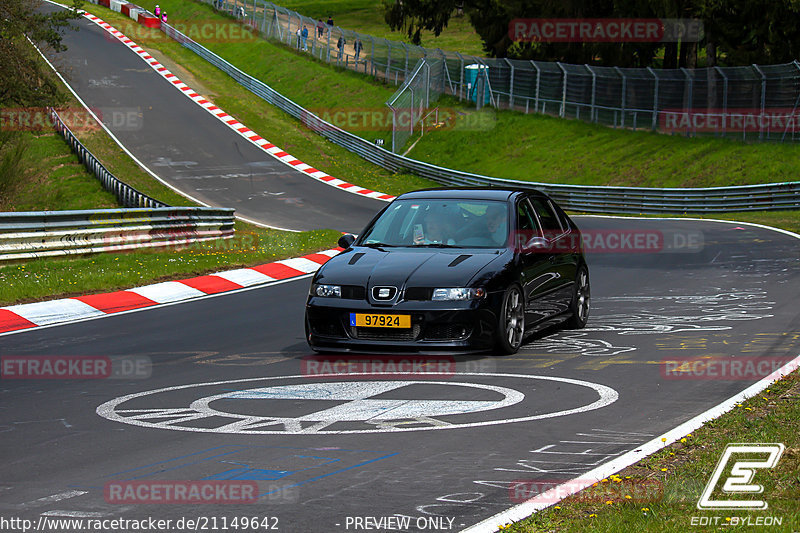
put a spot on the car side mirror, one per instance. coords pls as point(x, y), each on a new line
point(537, 244)
point(346, 240)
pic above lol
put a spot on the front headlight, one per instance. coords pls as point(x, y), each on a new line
point(326, 291)
point(459, 293)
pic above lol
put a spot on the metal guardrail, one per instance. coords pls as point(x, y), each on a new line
point(594, 199)
point(146, 222)
point(30, 235)
point(126, 195)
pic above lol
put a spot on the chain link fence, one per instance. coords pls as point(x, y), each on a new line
point(750, 103)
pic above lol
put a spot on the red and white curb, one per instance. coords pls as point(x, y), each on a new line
point(234, 124)
point(26, 316)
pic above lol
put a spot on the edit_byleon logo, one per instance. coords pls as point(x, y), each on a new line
point(751, 458)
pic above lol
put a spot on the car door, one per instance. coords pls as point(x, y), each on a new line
point(537, 272)
point(562, 258)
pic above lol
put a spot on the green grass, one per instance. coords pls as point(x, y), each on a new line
point(49, 176)
point(554, 150)
point(366, 16)
point(683, 469)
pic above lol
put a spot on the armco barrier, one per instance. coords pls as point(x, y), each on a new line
point(597, 199)
point(32, 235)
point(126, 195)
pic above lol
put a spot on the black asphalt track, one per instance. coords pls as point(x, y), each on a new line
point(733, 296)
point(191, 149)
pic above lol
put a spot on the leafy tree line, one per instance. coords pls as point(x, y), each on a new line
point(24, 78)
point(737, 32)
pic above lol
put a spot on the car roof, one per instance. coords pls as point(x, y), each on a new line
point(471, 193)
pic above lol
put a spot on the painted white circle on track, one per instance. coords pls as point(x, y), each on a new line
point(356, 402)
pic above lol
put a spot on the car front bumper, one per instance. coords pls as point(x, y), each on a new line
point(436, 327)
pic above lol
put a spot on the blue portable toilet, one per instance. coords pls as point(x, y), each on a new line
point(472, 74)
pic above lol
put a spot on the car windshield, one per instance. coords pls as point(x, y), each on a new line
point(440, 223)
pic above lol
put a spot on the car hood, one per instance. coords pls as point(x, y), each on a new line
point(369, 267)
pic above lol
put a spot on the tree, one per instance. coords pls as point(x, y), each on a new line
point(738, 32)
point(24, 80)
point(413, 16)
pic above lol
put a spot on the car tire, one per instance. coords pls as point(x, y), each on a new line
point(511, 322)
point(581, 297)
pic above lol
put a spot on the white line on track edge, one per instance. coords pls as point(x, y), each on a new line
point(546, 499)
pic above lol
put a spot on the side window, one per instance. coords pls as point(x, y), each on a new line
point(547, 217)
point(525, 218)
point(527, 227)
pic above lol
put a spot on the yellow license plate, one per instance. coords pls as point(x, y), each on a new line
point(380, 321)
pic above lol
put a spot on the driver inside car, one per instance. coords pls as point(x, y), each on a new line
point(434, 230)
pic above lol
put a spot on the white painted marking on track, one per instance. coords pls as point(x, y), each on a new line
point(354, 391)
point(75, 514)
point(556, 494)
point(54, 498)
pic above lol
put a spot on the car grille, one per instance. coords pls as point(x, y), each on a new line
point(328, 329)
point(418, 293)
point(448, 332)
point(354, 292)
point(385, 334)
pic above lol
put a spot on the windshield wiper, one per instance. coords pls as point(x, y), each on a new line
point(436, 245)
point(377, 245)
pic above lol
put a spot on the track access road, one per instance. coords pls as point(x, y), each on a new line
point(191, 149)
point(327, 449)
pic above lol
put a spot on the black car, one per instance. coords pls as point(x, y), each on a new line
point(451, 270)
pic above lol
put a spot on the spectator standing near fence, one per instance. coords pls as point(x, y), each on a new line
point(164, 17)
point(299, 37)
point(157, 11)
point(340, 45)
point(357, 46)
point(320, 28)
point(330, 21)
point(304, 35)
